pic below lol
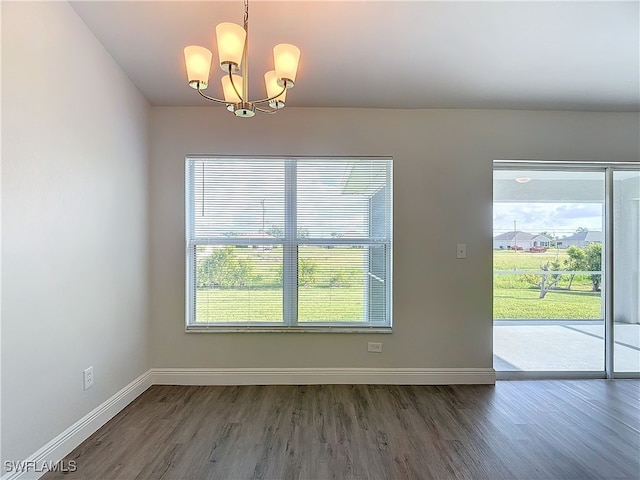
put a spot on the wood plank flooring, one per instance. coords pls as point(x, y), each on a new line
point(583, 429)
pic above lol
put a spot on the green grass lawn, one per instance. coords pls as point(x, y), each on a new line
point(315, 304)
point(527, 304)
point(516, 295)
point(337, 289)
point(332, 287)
point(238, 305)
point(509, 259)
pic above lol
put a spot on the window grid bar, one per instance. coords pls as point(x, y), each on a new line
point(290, 260)
point(190, 286)
point(283, 241)
point(389, 233)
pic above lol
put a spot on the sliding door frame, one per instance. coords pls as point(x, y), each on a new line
point(608, 169)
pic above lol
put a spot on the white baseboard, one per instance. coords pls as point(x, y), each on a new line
point(37, 464)
point(315, 376)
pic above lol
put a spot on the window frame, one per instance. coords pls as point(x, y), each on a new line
point(290, 243)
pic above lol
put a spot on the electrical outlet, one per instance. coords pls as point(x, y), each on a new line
point(87, 377)
point(375, 347)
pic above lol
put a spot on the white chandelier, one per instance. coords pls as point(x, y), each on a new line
point(233, 43)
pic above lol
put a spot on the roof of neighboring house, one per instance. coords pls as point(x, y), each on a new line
point(590, 236)
point(517, 235)
point(510, 236)
point(543, 237)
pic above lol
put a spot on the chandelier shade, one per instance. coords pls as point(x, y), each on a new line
point(229, 92)
point(273, 90)
point(198, 62)
point(286, 58)
point(232, 42)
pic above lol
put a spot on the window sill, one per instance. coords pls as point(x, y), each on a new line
point(284, 329)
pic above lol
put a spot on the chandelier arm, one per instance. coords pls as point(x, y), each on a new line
point(275, 96)
point(262, 110)
point(211, 98)
point(234, 86)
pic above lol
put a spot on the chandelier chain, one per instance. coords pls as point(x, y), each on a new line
point(246, 14)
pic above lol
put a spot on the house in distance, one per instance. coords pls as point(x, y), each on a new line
point(517, 240)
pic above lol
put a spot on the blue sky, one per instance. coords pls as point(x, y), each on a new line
point(560, 218)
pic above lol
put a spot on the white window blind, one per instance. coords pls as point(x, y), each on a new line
point(289, 242)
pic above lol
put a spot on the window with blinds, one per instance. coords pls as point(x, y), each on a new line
point(288, 243)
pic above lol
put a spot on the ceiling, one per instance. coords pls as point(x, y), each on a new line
point(571, 55)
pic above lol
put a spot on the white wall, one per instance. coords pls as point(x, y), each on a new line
point(74, 224)
point(442, 196)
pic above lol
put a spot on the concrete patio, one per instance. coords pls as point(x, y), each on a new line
point(562, 346)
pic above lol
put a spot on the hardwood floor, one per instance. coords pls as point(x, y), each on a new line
point(579, 429)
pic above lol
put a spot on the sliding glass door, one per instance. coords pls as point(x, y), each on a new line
point(559, 277)
point(626, 265)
